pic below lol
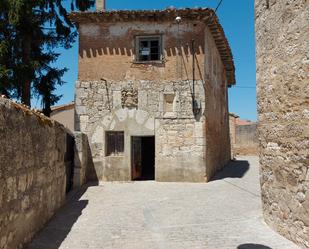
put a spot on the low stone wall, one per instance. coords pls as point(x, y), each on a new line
point(33, 172)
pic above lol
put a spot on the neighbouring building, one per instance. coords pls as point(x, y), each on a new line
point(282, 36)
point(64, 114)
point(244, 138)
point(152, 93)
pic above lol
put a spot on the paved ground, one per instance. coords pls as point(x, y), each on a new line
point(223, 214)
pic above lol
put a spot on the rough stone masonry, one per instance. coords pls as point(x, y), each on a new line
point(282, 35)
point(33, 166)
point(117, 92)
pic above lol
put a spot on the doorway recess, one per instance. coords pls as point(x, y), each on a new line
point(143, 158)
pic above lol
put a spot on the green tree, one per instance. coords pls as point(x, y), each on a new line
point(5, 50)
point(30, 31)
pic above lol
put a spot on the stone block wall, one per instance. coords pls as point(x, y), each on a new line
point(32, 172)
point(81, 159)
point(107, 66)
point(282, 35)
point(180, 150)
point(99, 109)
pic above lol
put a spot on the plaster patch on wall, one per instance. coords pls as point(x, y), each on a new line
point(150, 124)
point(112, 125)
point(91, 30)
point(272, 146)
point(141, 117)
point(131, 113)
point(106, 121)
point(119, 30)
point(122, 28)
point(97, 136)
point(116, 99)
point(121, 114)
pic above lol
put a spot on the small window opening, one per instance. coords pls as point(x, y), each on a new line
point(149, 49)
point(169, 102)
point(114, 143)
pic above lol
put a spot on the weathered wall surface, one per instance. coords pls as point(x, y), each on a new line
point(282, 35)
point(246, 134)
point(178, 134)
point(180, 150)
point(232, 124)
point(218, 147)
point(32, 172)
point(106, 68)
point(65, 117)
point(243, 136)
point(81, 159)
point(246, 140)
point(107, 50)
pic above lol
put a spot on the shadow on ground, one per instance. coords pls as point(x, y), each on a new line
point(252, 246)
point(235, 169)
point(55, 232)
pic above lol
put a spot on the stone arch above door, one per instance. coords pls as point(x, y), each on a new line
point(132, 121)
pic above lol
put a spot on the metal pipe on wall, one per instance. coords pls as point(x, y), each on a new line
point(193, 70)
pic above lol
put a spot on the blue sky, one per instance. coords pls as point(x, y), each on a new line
point(237, 19)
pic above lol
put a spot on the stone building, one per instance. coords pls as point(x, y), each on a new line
point(282, 35)
point(152, 93)
point(243, 136)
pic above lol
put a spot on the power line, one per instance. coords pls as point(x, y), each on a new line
point(214, 13)
point(245, 87)
point(218, 6)
point(249, 87)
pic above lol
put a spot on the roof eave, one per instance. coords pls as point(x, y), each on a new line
point(203, 14)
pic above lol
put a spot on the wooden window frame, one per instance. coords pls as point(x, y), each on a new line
point(114, 143)
point(149, 38)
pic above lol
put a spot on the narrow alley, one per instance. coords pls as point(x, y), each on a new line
point(223, 214)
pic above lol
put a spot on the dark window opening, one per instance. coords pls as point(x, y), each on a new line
point(149, 49)
point(114, 143)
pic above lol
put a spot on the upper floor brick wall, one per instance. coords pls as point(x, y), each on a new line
point(108, 50)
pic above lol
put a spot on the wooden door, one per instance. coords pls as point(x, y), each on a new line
point(136, 152)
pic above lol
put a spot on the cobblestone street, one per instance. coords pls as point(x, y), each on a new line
point(223, 214)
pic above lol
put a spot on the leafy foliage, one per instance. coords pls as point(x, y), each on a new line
point(30, 31)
